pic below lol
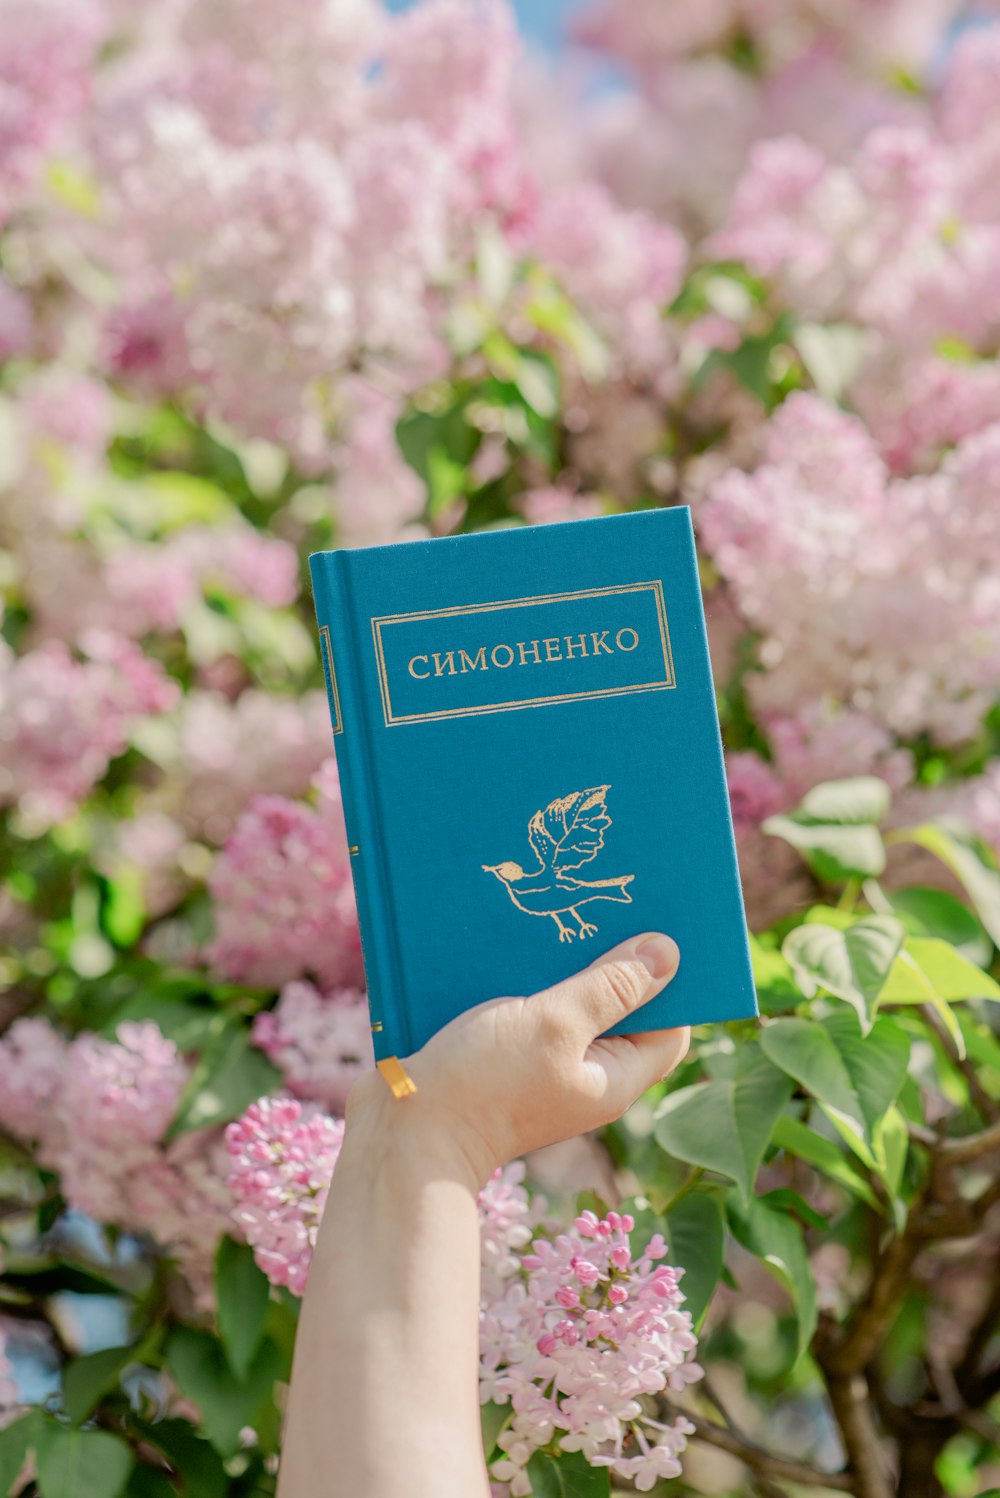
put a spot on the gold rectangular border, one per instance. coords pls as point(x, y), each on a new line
point(392, 720)
point(325, 644)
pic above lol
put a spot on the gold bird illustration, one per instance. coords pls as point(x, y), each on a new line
point(565, 836)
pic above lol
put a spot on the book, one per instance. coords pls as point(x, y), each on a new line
point(531, 767)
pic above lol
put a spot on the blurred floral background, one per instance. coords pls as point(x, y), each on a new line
point(285, 277)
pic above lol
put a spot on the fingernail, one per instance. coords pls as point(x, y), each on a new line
point(660, 954)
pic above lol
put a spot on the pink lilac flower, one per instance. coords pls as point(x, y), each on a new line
point(283, 897)
point(229, 751)
point(241, 560)
point(282, 1158)
point(62, 721)
point(121, 1095)
point(377, 493)
point(551, 505)
point(32, 1062)
point(575, 1345)
point(755, 790)
point(320, 1042)
point(450, 65)
point(508, 1219)
point(881, 239)
point(46, 51)
point(880, 594)
point(917, 408)
point(622, 268)
point(969, 119)
point(66, 408)
point(143, 341)
point(397, 246)
point(96, 1111)
point(16, 321)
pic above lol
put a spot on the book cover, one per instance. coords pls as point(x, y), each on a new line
point(531, 764)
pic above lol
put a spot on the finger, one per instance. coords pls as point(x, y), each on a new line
point(611, 988)
point(624, 1066)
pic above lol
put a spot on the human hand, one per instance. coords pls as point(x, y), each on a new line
point(514, 1074)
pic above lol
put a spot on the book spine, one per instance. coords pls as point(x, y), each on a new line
point(341, 665)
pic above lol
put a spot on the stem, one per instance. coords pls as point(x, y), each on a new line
point(756, 1458)
point(692, 1178)
point(849, 895)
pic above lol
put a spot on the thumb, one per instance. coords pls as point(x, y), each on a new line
point(612, 987)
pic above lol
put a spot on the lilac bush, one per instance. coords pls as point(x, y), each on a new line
point(278, 278)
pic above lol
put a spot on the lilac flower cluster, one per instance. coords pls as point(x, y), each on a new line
point(97, 1111)
point(282, 1157)
point(577, 1341)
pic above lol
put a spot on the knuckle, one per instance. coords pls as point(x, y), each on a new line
point(625, 983)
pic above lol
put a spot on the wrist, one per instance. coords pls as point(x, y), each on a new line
point(415, 1132)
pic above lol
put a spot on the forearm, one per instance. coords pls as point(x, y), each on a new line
point(384, 1396)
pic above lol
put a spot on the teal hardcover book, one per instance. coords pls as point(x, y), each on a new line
point(531, 764)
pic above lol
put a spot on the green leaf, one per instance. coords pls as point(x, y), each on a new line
point(696, 1235)
point(149, 1482)
point(892, 1141)
point(538, 382)
point(173, 500)
point(804, 1050)
point(445, 480)
point(832, 354)
point(833, 851)
point(242, 1294)
point(204, 1474)
point(969, 860)
point(929, 971)
point(725, 1126)
point(926, 962)
point(493, 1418)
point(569, 1475)
point(876, 1064)
point(86, 1380)
point(852, 964)
point(190, 1026)
point(784, 1199)
point(231, 1074)
point(420, 434)
point(934, 912)
point(15, 1440)
point(772, 978)
point(861, 799)
point(776, 1239)
point(798, 1139)
point(830, 915)
point(198, 1364)
point(123, 913)
point(72, 1463)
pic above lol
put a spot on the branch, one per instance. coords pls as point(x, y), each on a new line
point(970, 1147)
point(851, 1401)
point(987, 1106)
point(756, 1458)
point(872, 1319)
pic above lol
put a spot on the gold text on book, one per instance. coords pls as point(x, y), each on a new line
point(566, 835)
point(421, 658)
point(522, 653)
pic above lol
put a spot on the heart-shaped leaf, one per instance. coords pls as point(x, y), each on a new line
point(695, 1233)
point(725, 1125)
point(969, 860)
point(852, 964)
point(804, 1050)
point(833, 851)
point(776, 1239)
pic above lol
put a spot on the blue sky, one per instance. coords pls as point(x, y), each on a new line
point(539, 18)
